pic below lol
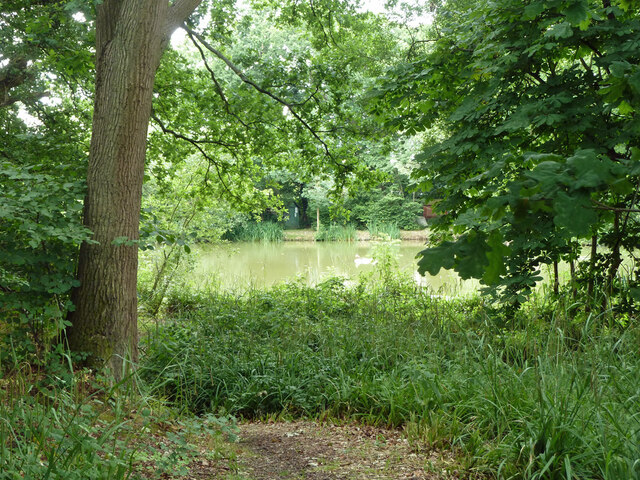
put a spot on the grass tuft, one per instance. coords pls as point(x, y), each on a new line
point(337, 233)
point(257, 232)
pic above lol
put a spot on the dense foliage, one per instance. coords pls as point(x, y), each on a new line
point(42, 165)
point(538, 104)
point(256, 99)
point(528, 115)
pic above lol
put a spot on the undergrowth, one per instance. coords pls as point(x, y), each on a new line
point(552, 396)
point(61, 424)
point(383, 230)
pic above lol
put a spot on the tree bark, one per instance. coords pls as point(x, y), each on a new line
point(130, 38)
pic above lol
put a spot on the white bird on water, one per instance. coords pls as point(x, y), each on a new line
point(364, 261)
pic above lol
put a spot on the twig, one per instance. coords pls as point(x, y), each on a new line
point(602, 206)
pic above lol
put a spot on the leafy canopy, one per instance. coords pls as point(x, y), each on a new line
point(538, 101)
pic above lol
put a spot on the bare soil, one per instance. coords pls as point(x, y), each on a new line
point(307, 450)
point(314, 451)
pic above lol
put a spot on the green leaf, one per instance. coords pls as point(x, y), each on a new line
point(589, 170)
point(634, 82)
point(471, 258)
point(625, 109)
point(432, 260)
point(532, 10)
point(549, 174)
point(619, 69)
point(561, 30)
point(574, 213)
point(577, 13)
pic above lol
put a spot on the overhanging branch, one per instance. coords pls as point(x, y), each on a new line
point(217, 85)
point(26, 98)
point(197, 144)
point(257, 87)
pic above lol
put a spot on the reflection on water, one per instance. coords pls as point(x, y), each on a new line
point(243, 265)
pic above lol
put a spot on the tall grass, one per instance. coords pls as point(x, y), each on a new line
point(257, 232)
point(61, 427)
point(60, 424)
point(383, 230)
point(337, 233)
point(554, 397)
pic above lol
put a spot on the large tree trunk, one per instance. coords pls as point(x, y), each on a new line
point(130, 37)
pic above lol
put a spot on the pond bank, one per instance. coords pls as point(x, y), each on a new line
point(309, 235)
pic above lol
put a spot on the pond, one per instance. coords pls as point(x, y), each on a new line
point(242, 265)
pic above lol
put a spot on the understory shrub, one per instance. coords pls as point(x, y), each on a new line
point(40, 234)
point(61, 424)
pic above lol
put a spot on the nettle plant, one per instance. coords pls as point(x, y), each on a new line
point(538, 101)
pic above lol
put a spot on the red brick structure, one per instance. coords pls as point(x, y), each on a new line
point(427, 212)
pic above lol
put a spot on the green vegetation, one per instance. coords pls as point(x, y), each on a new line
point(57, 423)
point(256, 232)
point(549, 395)
point(384, 230)
point(55, 433)
point(518, 120)
point(37, 256)
point(337, 233)
point(388, 208)
point(531, 109)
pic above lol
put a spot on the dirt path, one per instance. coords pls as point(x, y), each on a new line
point(307, 450)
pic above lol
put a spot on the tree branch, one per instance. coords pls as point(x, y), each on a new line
point(257, 87)
point(219, 90)
point(29, 97)
point(193, 141)
point(179, 11)
point(602, 206)
point(210, 160)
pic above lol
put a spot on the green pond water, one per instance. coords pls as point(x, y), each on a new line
point(244, 265)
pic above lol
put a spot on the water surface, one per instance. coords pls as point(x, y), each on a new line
point(244, 265)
